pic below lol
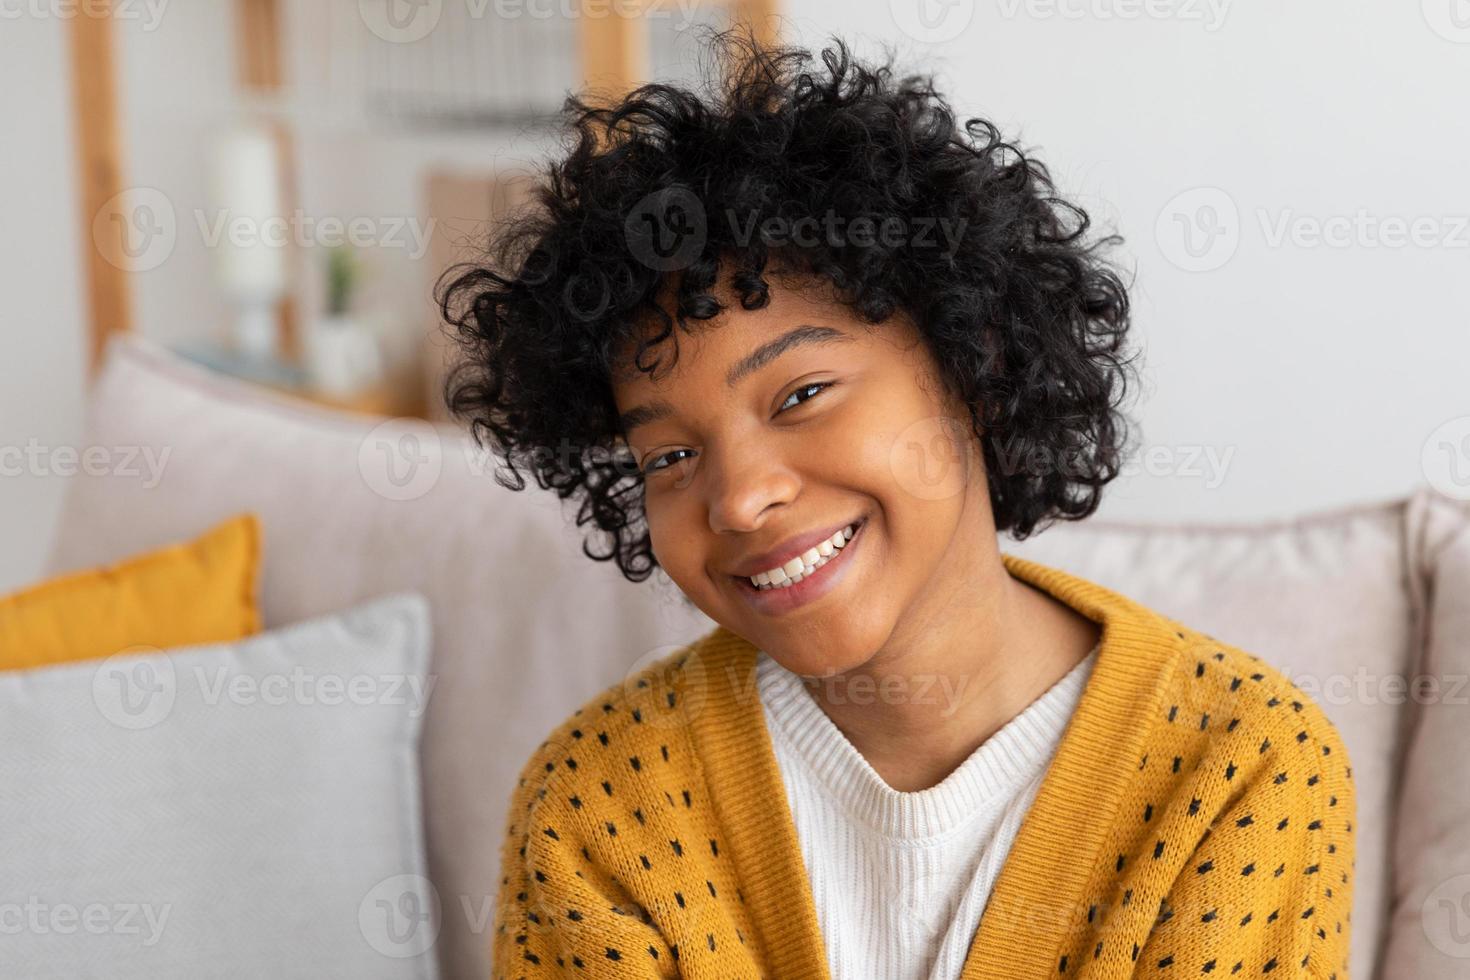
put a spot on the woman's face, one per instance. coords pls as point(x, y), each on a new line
point(776, 429)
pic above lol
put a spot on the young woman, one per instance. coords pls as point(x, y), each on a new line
point(807, 345)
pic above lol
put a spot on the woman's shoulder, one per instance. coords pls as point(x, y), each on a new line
point(1242, 700)
point(1211, 694)
point(1248, 785)
point(1252, 738)
point(619, 727)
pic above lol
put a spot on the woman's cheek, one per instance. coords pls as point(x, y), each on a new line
point(932, 459)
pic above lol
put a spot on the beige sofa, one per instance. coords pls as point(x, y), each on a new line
point(1349, 603)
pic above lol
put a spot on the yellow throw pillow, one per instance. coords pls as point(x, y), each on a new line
point(200, 591)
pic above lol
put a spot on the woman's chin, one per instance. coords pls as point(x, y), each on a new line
point(825, 662)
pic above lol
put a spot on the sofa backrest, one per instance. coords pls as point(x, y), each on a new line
point(1428, 935)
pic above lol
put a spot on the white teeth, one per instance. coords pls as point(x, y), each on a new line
point(809, 561)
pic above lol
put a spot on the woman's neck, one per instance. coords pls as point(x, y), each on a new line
point(982, 648)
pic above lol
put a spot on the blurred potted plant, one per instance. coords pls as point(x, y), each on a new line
point(342, 268)
point(345, 356)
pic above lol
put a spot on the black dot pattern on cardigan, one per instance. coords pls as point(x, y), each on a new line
point(1238, 858)
point(606, 820)
point(1231, 852)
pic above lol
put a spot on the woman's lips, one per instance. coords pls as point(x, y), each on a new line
point(778, 601)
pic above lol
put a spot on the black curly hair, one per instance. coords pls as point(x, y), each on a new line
point(1026, 322)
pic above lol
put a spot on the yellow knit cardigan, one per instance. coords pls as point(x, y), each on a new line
point(1196, 820)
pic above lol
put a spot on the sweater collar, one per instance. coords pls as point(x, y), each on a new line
point(1039, 900)
point(990, 777)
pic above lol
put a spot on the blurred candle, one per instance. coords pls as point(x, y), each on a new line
point(248, 233)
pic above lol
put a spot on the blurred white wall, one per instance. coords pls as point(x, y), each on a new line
point(42, 346)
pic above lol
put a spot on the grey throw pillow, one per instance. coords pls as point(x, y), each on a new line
point(228, 810)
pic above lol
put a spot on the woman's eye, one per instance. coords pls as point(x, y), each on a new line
point(819, 385)
point(654, 467)
point(657, 463)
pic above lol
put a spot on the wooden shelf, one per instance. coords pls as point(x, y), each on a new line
point(382, 399)
point(393, 396)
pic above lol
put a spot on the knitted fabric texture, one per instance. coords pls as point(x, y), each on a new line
point(900, 879)
point(1196, 820)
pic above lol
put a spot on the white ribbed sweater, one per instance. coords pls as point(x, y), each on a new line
point(900, 879)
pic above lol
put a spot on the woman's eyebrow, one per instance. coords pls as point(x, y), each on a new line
point(772, 349)
point(749, 364)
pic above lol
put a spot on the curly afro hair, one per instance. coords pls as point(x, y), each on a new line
point(1026, 321)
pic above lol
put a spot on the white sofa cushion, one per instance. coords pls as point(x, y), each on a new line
point(1429, 932)
point(225, 810)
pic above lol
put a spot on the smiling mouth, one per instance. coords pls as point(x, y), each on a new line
point(811, 571)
